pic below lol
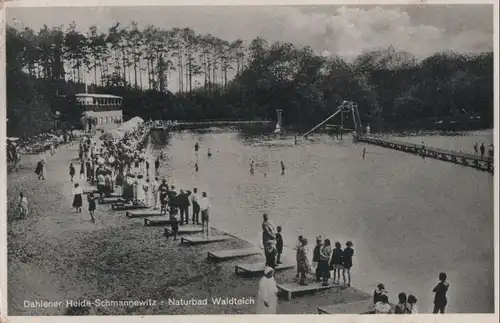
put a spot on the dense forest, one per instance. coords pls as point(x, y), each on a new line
point(218, 79)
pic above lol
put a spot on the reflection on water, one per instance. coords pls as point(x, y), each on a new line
point(409, 218)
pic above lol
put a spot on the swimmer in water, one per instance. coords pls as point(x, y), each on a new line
point(196, 167)
point(209, 153)
point(282, 168)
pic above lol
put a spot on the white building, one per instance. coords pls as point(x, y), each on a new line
point(100, 111)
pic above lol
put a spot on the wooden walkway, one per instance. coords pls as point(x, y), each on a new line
point(460, 158)
point(204, 240)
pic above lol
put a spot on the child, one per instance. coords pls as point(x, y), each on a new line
point(412, 304)
point(270, 254)
point(336, 262)
point(303, 262)
point(378, 293)
point(279, 246)
point(325, 253)
point(175, 218)
point(440, 290)
point(299, 243)
point(347, 262)
point(401, 308)
point(92, 206)
point(72, 171)
point(316, 258)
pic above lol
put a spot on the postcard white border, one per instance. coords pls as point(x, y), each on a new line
point(424, 318)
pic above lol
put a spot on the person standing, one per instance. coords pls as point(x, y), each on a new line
point(155, 190)
point(147, 192)
point(475, 148)
point(316, 257)
point(282, 168)
point(196, 207)
point(270, 251)
point(267, 296)
point(279, 245)
point(184, 206)
point(157, 167)
point(267, 230)
point(82, 169)
point(72, 171)
point(40, 169)
point(491, 151)
point(163, 199)
point(482, 149)
point(336, 262)
point(204, 208)
point(440, 300)
point(147, 167)
point(347, 262)
point(92, 206)
point(196, 147)
point(303, 262)
point(297, 248)
point(174, 222)
point(22, 205)
point(77, 197)
point(325, 254)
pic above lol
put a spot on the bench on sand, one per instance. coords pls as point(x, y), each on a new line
point(232, 253)
point(184, 229)
point(112, 199)
point(202, 240)
point(361, 307)
point(294, 288)
point(157, 221)
point(128, 206)
point(149, 212)
point(258, 268)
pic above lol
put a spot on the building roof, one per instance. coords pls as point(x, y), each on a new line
point(93, 95)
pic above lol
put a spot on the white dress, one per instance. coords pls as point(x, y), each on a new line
point(141, 195)
point(267, 293)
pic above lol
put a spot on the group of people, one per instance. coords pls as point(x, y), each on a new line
point(325, 259)
point(482, 150)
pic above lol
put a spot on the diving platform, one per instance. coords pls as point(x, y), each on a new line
point(258, 268)
point(204, 240)
point(185, 229)
point(157, 220)
point(143, 212)
point(360, 307)
point(232, 253)
point(291, 289)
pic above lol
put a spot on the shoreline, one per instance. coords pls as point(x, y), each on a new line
point(53, 250)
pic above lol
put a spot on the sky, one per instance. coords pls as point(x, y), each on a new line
point(346, 31)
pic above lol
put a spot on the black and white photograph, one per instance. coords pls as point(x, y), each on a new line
point(210, 160)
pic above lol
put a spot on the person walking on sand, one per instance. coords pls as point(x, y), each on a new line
point(22, 205)
point(77, 198)
point(72, 171)
point(40, 169)
point(267, 296)
point(347, 262)
point(205, 207)
point(92, 206)
point(336, 262)
point(440, 300)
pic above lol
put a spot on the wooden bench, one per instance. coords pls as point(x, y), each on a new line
point(128, 206)
point(232, 253)
point(202, 240)
point(157, 221)
point(111, 199)
point(361, 307)
point(258, 268)
point(185, 229)
point(149, 212)
point(290, 289)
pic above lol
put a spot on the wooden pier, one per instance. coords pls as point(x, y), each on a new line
point(459, 158)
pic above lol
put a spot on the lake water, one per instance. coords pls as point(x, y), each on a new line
point(409, 218)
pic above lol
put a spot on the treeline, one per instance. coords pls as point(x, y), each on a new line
point(217, 79)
